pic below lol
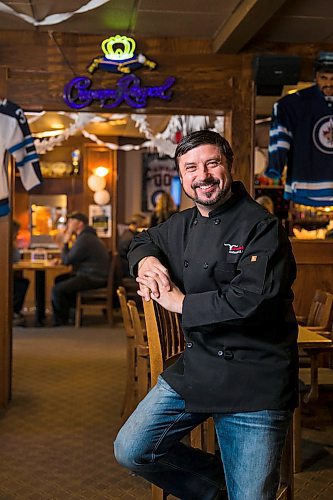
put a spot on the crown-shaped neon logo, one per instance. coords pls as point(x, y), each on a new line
point(126, 51)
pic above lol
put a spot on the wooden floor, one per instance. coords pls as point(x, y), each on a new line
point(57, 434)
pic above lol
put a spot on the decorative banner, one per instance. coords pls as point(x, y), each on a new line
point(119, 56)
point(77, 93)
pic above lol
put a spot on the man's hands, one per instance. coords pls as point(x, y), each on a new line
point(155, 283)
point(69, 231)
point(151, 276)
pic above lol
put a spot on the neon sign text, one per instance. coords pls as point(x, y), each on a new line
point(78, 94)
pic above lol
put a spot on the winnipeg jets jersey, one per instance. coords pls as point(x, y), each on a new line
point(17, 140)
point(301, 137)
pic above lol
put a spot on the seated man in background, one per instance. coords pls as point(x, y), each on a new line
point(90, 260)
point(20, 284)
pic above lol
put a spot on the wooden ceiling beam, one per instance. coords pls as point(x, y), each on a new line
point(245, 22)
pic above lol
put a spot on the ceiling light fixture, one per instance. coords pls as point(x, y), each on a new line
point(101, 171)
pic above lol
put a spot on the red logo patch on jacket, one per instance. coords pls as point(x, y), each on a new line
point(234, 248)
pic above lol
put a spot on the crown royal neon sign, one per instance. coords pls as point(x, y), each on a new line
point(119, 57)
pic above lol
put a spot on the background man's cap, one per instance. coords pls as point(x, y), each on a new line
point(137, 219)
point(324, 62)
point(78, 216)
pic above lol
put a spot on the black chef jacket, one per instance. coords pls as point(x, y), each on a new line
point(236, 269)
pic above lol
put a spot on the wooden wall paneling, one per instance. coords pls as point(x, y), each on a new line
point(38, 82)
point(5, 290)
point(314, 260)
point(242, 125)
point(6, 303)
point(93, 157)
point(114, 199)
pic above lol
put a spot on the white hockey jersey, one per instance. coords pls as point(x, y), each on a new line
point(17, 140)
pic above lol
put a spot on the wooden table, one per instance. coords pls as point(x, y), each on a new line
point(313, 343)
point(40, 269)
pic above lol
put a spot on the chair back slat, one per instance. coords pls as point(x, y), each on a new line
point(165, 337)
point(321, 310)
point(121, 292)
point(142, 352)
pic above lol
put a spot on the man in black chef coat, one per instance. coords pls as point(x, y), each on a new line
point(226, 266)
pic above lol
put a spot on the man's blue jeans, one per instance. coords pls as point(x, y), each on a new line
point(251, 446)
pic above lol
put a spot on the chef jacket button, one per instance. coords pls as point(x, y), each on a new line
point(217, 221)
point(205, 266)
point(189, 344)
point(220, 353)
point(185, 263)
point(195, 222)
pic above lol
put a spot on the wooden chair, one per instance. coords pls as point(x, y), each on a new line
point(316, 383)
point(99, 299)
point(321, 312)
point(141, 351)
point(166, 343)
point(137, 360)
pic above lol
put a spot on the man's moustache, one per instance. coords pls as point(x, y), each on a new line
point(203, 184)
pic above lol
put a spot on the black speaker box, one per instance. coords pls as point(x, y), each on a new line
point(272, 72)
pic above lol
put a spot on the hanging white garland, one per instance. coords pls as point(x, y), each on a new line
point(162, 142)
point(54, 18)
point(81, 120)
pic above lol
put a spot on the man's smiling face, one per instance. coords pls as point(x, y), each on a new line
point(205, 177)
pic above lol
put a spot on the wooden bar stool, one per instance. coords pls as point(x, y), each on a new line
point(166, 344)
point(137, 359)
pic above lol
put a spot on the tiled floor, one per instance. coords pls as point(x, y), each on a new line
point(57, 434)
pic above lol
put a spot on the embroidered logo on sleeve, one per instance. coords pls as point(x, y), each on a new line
point(234, 248)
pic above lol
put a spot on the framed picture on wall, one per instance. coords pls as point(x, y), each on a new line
point(158, 175)
point(100, 220)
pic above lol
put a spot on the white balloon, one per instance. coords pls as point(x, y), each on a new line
point(96, 183)
point(102, 197)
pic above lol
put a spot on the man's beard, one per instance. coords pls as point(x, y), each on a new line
point(328, 88)
point(215, 198)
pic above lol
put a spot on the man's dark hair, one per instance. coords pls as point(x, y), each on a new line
point(201, 137)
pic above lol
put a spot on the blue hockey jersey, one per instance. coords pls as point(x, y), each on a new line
point(17, 140)
point(301, 137)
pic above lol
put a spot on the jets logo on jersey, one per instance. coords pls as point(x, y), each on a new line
point(234, 248)
point(323, 134)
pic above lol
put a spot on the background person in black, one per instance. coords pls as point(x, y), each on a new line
point(226, 266)
point(90, 260)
